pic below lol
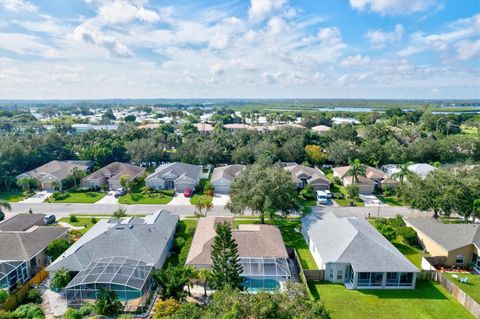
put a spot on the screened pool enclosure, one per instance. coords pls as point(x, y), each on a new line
point(261, 273)
point(12, 273)
point(130, 279)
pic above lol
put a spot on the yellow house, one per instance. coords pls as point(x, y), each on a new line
point(458, 243)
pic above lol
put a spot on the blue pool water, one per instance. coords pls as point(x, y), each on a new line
point(255, 285)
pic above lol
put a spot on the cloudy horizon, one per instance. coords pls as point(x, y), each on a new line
point(373, 49)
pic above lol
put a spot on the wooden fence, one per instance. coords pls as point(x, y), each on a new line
point(17, 297)
point(462, 297)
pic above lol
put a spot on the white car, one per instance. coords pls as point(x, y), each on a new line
point(328, 194)
point(322, 197)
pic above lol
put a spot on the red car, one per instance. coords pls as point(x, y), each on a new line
point(187, 192)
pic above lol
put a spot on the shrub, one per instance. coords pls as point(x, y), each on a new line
point(387, 231)
point(165, 308)
point(388, 190)
point(34, 296)
point(337, 180)
point(179, 243)
point(73, 219)
point(93, 220)
point(26, 312)
point(308, 192)
point(208, 189)
point(338, 195)
point(60, 196)
point(80, 313)
point(57, 247)
point(409, 235)
point(3, 296)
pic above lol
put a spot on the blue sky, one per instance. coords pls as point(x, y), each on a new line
point(402, 49)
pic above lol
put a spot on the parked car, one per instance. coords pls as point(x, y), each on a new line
point(187, 192)
point(328, 194)
point(120, 192)
point(49, 219)
point(322, 197)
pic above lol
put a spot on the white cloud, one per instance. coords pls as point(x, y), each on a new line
point(378, 38)
point(355, 60)
point(467, 50)
point(26, 45)
point(394, 7)
point(261, 9)
point(330, 35)
point(121, 11)
point(92, 36)
point(276, 25)
point(459, 30)
point(18, 5)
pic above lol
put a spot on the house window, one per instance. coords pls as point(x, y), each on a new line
point(406, 278)
point(459, 259)
point(330, 273)
point(340, 274)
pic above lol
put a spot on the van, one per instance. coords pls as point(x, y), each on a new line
point(49, 219)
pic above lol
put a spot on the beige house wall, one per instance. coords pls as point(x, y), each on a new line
point(467, 253)
point(429, 245)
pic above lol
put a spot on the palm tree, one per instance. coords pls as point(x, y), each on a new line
point(61, 278)
point(108, 303)
point(120, 213)
point(356, 169)
point(4, 205)
point(403, 172)
point(476, 209)
point(204, 276)
point(77, 174)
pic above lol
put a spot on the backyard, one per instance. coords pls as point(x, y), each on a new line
point(471, 287)
point(15, 196)
point(412, 253)
point(79, 197)
point(427, 300)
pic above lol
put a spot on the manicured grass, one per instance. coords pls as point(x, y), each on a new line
point(472, 287)
point(185, 229)
point(307, 202)
point(80, 197)
point(13, 196)
point(344, 201)
point(391, 200)
point(413, 254)
point(82, 222)
point(160, 198)
point(196, 197)
point(429, 300)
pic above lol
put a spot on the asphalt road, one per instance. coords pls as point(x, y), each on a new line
point(62, 210)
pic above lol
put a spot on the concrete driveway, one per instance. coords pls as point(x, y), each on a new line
point(371, 200)
point(220, 200)
point(179, 200)
point(108, 199)
point(38, 197)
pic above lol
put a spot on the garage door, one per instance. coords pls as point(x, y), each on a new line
point(222, 189)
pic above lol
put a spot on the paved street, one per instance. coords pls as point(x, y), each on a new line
point(65, 209)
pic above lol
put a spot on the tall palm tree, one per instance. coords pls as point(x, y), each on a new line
point(204, 276)
point(4, 206)
point(356, 169)
point(403, 172)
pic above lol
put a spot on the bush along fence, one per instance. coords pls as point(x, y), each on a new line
point(462, 297)
point(305, 275)
point(16, 298)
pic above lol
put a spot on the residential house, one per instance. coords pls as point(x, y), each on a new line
point(223, 177)
point(449, 244)
point(204, 128)
point(111, 174)
point(118, 254)
point(374, 178)
point(236, 127)
point(51, 174)
point(321, 128)
point(420, 169)
point(22, 252)
point(262, 253)
point(303, 175)
point(177, 176)
point(352, 252)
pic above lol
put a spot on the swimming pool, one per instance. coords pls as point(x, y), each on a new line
point(263, 284)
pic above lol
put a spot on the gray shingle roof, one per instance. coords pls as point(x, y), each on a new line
point(449, 236)
point(312, 175)
point(22, 222)
point(23, 245)
point(58, 169)
point(177, 169)
point(228, 172)
point(353, 240)
point(144, 241)
point(115, 170)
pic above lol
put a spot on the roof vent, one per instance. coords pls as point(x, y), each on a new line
point(130, 226)
point(118, 227)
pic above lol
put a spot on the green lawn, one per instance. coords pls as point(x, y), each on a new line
point(160, 197)
point(196, 197)
point(472, 287)
point(428, 301)
point(344, 201)
point(391, 200)
point(307, 202)
point(82, 222)
point(413, 254)
point(80, 197)
point(13, 196)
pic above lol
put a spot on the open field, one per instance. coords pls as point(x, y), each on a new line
point(429, 300)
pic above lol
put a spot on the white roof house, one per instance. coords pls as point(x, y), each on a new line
point(353, 252)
